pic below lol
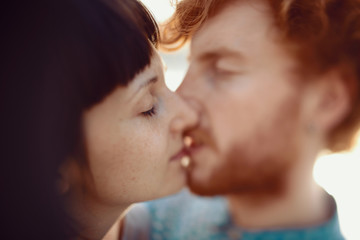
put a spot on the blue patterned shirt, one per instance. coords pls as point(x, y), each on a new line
point(188, 217)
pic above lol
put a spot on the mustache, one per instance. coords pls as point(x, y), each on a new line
point(199, 136)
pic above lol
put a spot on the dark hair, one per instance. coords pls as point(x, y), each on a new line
point(59, 58)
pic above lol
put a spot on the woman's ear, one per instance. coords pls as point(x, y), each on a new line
point(330, 99)
point(66, 176)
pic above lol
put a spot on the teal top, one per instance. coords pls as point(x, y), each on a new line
point(185, 216)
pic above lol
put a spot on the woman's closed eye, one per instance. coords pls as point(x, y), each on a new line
point(149, 113)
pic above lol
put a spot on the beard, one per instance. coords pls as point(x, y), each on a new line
point(256, 165)
point(239, 176)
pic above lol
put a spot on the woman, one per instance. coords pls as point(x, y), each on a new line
point(89, 124)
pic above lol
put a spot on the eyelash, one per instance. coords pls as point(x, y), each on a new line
point(221, 71)
point(149, 113)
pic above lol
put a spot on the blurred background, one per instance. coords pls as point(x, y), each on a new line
point(338, 174)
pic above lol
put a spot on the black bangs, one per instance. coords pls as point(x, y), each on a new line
point(135, 10)
point(148, 24)
point(109, 44)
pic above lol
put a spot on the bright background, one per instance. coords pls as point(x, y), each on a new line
point(338, 174)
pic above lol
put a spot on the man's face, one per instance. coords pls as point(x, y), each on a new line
point(243, 83)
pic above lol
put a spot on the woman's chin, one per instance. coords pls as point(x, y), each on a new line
point(170, 188)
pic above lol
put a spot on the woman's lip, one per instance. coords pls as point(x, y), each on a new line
point(183, 152)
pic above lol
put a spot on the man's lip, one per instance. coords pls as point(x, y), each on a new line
point(197, 139)
point(183, 152)
point(194, 147)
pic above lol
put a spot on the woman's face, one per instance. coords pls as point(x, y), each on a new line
point(133, 140)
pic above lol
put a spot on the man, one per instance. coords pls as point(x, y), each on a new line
point(274, 82)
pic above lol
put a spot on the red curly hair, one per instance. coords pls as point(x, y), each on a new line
point(326, 34)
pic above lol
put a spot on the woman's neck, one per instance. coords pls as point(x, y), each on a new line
point(116, 231)
point(95, 221)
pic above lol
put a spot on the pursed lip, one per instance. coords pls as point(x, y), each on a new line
point(194, 143)
point(182, 153)
point(193, 148)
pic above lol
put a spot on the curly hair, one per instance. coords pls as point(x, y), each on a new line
point(325, 33)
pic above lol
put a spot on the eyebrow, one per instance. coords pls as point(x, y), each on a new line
point(223, 52)
point(220, 52)
point(151, 81)
point(145, 84)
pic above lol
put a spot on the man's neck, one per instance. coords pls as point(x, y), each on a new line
point(301, 204)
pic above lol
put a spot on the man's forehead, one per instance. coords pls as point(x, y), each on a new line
point(236, 25)
point(213, 40)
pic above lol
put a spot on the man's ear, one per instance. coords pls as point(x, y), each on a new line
point(330, 98)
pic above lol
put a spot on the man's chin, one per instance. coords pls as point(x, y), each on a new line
point(204, 187)
point(229, 184)
point(250, 192)
point(202, 190)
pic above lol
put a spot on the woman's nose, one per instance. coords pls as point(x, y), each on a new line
point(186, 116)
